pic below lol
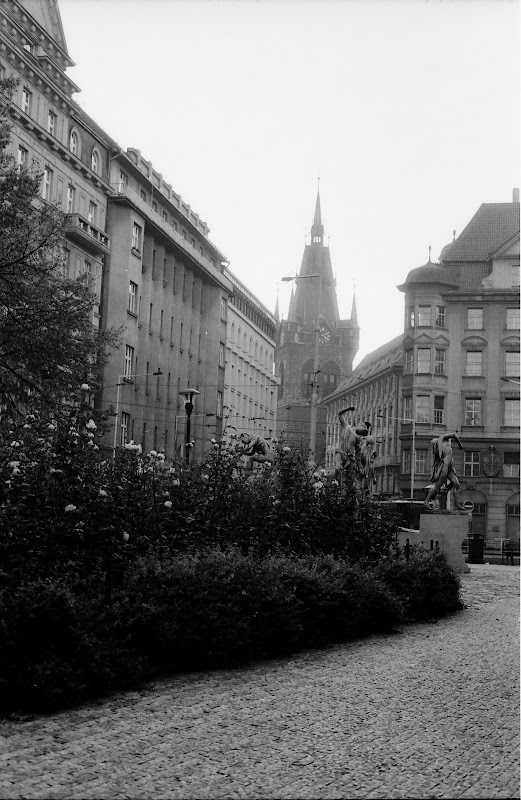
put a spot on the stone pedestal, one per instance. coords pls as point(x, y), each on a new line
point(443, 531)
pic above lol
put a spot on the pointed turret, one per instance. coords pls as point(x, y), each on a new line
point(354, 315)
point(317, 229)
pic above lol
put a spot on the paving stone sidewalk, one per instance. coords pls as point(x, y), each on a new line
point(429, 712)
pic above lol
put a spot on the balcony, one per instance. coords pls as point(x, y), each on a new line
point(87, 235)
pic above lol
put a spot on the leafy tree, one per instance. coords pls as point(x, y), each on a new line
point(48, 344)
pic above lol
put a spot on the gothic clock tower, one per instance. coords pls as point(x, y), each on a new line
point(312, 300)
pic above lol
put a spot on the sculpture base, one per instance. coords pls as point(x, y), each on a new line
point(444, 531)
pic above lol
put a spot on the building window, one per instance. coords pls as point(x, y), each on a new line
point(47, 183)
point(150, 314)
point(409, 317)
point(512, 364)
point(132, 297)
point(511, 414)
point(124, 428)
point(511, 465)
point(219, 404)
point(439, 409)
point(154, 206)
point(439, 363)
point(71, 194)
point(221, 354)
point(422, 408)
point(26, 101)
point(474, 362)
point(512, 321)
point(22, 156)
point(406, 461)
point(424, 360)
point(165, 216)
point(52, 120)
point(223, 308)
point(472, 411)
point(136, 237)
point(129, 361)
point(440, 316)
point(471, 463)
point(409, 362)
point(73, 142)
point(92, 213)
point(95, 161)
point(422, 460)
point(424, 316)
point(475, 319)
point(407, 408)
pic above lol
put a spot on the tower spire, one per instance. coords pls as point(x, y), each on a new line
point(317, 228)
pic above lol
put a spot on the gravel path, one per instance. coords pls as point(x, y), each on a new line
point(432, 711)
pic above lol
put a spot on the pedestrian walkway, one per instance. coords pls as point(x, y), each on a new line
point(429, 712)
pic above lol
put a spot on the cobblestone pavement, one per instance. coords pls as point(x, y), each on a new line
point(432, 711)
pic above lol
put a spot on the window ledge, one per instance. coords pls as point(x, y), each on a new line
point(131, 313)
point(136, 252)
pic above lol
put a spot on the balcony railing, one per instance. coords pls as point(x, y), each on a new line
point(87, 234)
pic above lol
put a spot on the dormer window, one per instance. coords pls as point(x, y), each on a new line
point(73, 143)
point(95, 161)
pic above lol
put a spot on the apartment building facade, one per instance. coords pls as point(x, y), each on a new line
point(250, 385)
point(145, 252)
point(459, 372)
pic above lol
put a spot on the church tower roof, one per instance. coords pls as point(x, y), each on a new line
point(315, 261)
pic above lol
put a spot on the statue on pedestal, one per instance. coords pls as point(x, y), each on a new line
point(443, 474)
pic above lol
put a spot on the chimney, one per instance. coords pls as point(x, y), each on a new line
point(515, 196)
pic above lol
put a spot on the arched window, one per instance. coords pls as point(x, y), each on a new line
point(95, 161)
point(74, 143)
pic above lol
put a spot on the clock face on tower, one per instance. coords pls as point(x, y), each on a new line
point(325, 334)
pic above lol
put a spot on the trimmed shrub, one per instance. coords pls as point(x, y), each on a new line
point(198, 612)
point(426, 585)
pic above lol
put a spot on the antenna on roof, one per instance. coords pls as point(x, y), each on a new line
point(430, 248)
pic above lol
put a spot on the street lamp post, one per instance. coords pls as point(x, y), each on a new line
point(413, 452)
point(314, 390)
point(188, 395)
point(129, 379)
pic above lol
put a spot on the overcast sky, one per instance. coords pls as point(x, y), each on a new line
point(408, 110)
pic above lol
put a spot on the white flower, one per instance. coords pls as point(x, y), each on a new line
point(176, 482)
point(17, 444)
point(212, 441)
point(286, 449)
point(168, 504)
point(95, 446)
point(126, 537)
point(27, 425)
point(85, 387)
point(14, 464)
point(51, 427)
point(205, 477)
point(102, 493)
point(334, 483)
point(70, 507)
point(16, 471)
point(91, 425)
point(152, 454)
point(161, 456)
point(317, 486)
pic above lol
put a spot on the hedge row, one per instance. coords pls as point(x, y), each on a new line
point(60, 643)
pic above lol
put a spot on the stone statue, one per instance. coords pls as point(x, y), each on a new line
point(443, 474)
point(352, 452)
point(257, 449)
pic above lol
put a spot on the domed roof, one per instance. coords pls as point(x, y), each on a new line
point(429, 273)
